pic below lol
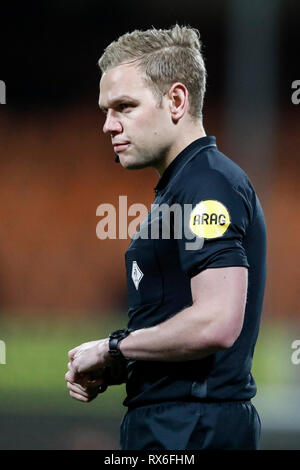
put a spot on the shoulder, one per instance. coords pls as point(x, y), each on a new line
point(212, 166)
point(211, 173)
point(212, 176)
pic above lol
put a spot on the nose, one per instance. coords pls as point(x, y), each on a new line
point(112, 124)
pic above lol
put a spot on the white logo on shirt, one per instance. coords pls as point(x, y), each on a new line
point(136, 274)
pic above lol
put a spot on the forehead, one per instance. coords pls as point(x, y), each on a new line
point(123, 80)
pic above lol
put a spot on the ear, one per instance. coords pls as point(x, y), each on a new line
point(178, 100)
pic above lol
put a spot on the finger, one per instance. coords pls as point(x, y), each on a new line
point(69, 376)
point(71, 367)
point(76, 389)
point(81, 398)
point(72, 352)
point(81, 380)
point(81, 391)
point(89, 394)
point(89, 388)
point(73, 376)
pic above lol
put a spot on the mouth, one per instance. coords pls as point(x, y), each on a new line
point(120, 147)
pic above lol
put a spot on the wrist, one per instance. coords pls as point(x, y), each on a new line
point(104, 351)
point(121, 348)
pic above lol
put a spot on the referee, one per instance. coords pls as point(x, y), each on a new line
point(195, 268)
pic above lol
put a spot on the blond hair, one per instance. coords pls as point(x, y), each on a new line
point(165, 56)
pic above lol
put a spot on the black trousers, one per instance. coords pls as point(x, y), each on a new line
point(191, 426)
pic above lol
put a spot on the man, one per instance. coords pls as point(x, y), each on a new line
point(195, 296)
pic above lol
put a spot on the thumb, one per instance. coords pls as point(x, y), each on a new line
point(72, 353)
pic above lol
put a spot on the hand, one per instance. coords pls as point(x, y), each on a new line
point(83, 387)
point(91, 367)
point(90, 357)
point(86, 368)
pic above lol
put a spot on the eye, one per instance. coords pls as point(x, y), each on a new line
point(124, 106)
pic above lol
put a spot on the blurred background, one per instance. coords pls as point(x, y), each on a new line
point(59, 284)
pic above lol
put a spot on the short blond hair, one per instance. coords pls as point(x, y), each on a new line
point(165, 56)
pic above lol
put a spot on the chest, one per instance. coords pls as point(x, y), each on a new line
point(153, 267)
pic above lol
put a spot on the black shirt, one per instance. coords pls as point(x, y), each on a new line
point(217, 221)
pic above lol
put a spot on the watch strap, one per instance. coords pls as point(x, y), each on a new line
point(114, 338)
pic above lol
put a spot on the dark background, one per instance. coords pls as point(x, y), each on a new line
point(49, 50)
point(59, 284)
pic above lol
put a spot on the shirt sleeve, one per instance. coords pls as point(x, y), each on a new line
point(214, 223)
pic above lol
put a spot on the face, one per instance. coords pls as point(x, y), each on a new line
point(141, 130)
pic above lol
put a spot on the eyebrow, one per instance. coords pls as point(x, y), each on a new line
point(117, 101)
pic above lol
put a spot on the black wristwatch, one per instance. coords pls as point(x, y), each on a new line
point(114, 338)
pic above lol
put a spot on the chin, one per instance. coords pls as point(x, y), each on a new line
point(131, 164)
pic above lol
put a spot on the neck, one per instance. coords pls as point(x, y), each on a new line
point(180, 144)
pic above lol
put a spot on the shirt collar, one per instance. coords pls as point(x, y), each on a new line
point(182, 157)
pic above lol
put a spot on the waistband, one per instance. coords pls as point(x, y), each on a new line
point(188, 401)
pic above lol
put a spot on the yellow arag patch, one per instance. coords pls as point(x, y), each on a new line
point(209, 219)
